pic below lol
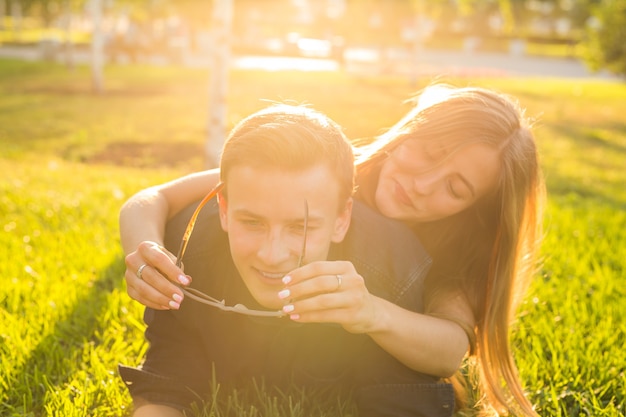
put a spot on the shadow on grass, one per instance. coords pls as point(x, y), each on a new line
point(593, 139)
point(150, 155)
point(72, 89)
point(559, 186)
point(592, 142)
point(48, 361)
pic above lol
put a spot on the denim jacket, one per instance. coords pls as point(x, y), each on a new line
point(388, 255)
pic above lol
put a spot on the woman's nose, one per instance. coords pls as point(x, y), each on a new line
point(425, 183)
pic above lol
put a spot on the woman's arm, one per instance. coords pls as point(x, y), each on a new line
point(423, 342)
point(142, 228)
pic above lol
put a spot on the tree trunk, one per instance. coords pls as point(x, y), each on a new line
point(218, 86)
point(68, 46)
point(16, 14)
point(3, 12)
point(97, 47)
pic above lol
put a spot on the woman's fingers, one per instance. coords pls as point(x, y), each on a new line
point(154, 287)
point(322, 277)
point(145, 294)
point(328, 291)
point(340, 308)
point(162, 260)
point(323, 284)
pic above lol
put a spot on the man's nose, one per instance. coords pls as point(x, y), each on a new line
point(274, 248)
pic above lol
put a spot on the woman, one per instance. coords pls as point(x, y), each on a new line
point(462, 169)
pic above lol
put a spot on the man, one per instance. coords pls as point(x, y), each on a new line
point(285, 202)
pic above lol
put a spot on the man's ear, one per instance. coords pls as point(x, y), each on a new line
point(223, 207)
point(342, 223)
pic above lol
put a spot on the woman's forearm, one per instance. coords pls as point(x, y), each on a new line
point(144, 215)
point(143, 218)
point(424, 343)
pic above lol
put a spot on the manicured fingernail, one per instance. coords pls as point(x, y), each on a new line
point(286, 279)
point(183, 279)
point(177, 298)
point(295, 317)
point(288, 308)
point(284, 294)
point(174, 305)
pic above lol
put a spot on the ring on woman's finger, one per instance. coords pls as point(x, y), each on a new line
point(338, 282)
point(140, 270)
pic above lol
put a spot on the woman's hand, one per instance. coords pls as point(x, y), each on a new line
point(330, 292)
point(154, 286)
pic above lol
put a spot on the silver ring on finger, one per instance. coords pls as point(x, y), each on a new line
point(339, 280)
point(140, 271)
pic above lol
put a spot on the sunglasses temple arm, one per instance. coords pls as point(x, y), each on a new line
point(306, 221)
point(192, 222)
point(239, 308)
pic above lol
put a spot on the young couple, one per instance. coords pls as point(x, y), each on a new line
point(360, 305)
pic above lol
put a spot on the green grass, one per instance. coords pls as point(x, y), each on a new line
point(69, 159)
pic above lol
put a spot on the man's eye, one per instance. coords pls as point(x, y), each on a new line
point(251, 223)
point(298, 227)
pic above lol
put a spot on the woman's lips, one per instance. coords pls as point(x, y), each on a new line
point(402, 196)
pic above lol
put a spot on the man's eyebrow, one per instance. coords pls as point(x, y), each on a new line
point(247, 213)
point(310, 218)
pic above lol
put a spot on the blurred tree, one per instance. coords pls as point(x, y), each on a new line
point(17, 10)
point(605, 44)
point(375, 22)
point(66, 23)
point(579, 11)
point(218, 88)
point(97, 46)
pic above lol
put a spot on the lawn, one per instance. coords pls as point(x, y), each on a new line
point(69, 159)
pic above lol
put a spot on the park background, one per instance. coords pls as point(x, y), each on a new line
point(77, 140)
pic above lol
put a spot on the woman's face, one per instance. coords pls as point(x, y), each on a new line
point(422, 181)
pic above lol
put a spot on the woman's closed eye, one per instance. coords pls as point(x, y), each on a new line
point(457, 189)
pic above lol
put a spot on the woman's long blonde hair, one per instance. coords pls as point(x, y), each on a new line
point(490, 249)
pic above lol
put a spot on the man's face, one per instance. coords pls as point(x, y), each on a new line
point(264, 218)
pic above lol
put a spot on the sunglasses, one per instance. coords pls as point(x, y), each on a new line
point(203, 298)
